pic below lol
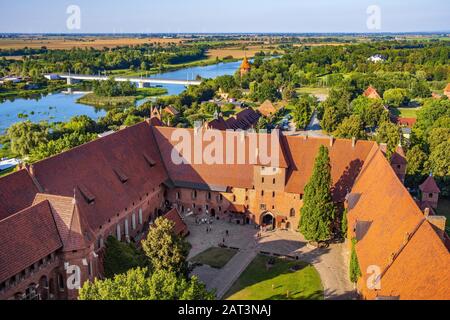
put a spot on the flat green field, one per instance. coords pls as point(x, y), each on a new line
point(408, 112)
point(312, 90)
point(99, 101)
point(215, 257)
point(278, 282)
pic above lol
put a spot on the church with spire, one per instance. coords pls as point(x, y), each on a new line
point(245, 66)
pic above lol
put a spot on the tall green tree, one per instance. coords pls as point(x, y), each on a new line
point(166, 250)
point(318, 211)
point(388, 133)
point(121, 257)
point(25, 136)
point(355, 270)
point(302, 111)
point(137, 284)
point(351, 127)
point(396, 97)
point(344, 223)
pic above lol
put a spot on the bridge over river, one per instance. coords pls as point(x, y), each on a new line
point(140, 81)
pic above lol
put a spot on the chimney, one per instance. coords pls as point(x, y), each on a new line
point(438, 223)
point(383, 148)
point(353, 142)
point(426, 212)
point(31, 170)
point(331, 141)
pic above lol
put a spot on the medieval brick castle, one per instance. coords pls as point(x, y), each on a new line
point(56, 214)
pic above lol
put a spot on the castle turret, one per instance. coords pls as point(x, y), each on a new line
point(430, 193)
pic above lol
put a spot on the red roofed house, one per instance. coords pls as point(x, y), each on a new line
point(447, 90)
point(244, 120)
point(171, 110)
point(56, 213)
point(399, 163)
point(267, 109)
point(406, 122)
point(371, 93)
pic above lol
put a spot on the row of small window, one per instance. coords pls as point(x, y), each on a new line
point(119, 233)
point(194, 195)
point(206, 207)
point(263, 206)
point(31, 269)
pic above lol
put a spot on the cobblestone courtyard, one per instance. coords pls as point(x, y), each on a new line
point(330, 263)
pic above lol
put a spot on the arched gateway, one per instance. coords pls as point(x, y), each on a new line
point(268, 220)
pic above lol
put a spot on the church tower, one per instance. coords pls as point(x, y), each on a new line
point(245, 66)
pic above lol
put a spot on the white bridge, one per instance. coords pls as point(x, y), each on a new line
point(140, 81)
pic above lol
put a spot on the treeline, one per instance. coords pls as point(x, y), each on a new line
point(93, 61)
point(22, 52)
point(37, 141)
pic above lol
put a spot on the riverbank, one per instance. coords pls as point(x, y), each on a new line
point(106, 102)
point(25, 93)
point(170, 67)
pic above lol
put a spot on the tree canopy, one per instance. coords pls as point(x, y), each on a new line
point(138, 284)
point(166, 250)
point(318, 211)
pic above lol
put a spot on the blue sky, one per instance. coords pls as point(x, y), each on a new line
point(153, 16)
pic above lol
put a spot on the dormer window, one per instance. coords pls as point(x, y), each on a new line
point(87, 195)
point(150, 161)
point(121, 175)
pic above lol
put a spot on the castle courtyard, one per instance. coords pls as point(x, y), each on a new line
point(330, 263)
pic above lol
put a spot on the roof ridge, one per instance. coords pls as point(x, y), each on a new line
point(54, 213)
point(367, 163)
point(92, 142)
point(54, 196)
point(25, 209)
point(152, 128)
point(402, 247)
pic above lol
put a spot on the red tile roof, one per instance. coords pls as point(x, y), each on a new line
point(421, 271)
point(267, 109)
point(26, 237)
point(218, 124)
point(72, 227)
point(393, 234)
point(237, 208)
point(244, 120)
point(17, 191)
point(371, 93)
point(171, 110)
point(399, 156)
point(180, 227)
point(346, 162)
point(447, 89)
point(429, 186)
point(94, 167)
point(407, 122)
point(225, 175)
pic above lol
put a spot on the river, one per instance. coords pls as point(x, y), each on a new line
point(60, 107)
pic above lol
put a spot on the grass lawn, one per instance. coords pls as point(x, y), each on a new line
point(99, 101)
point(258, 283)
point(312, 90)
point(215, 257)
point(408, 112)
